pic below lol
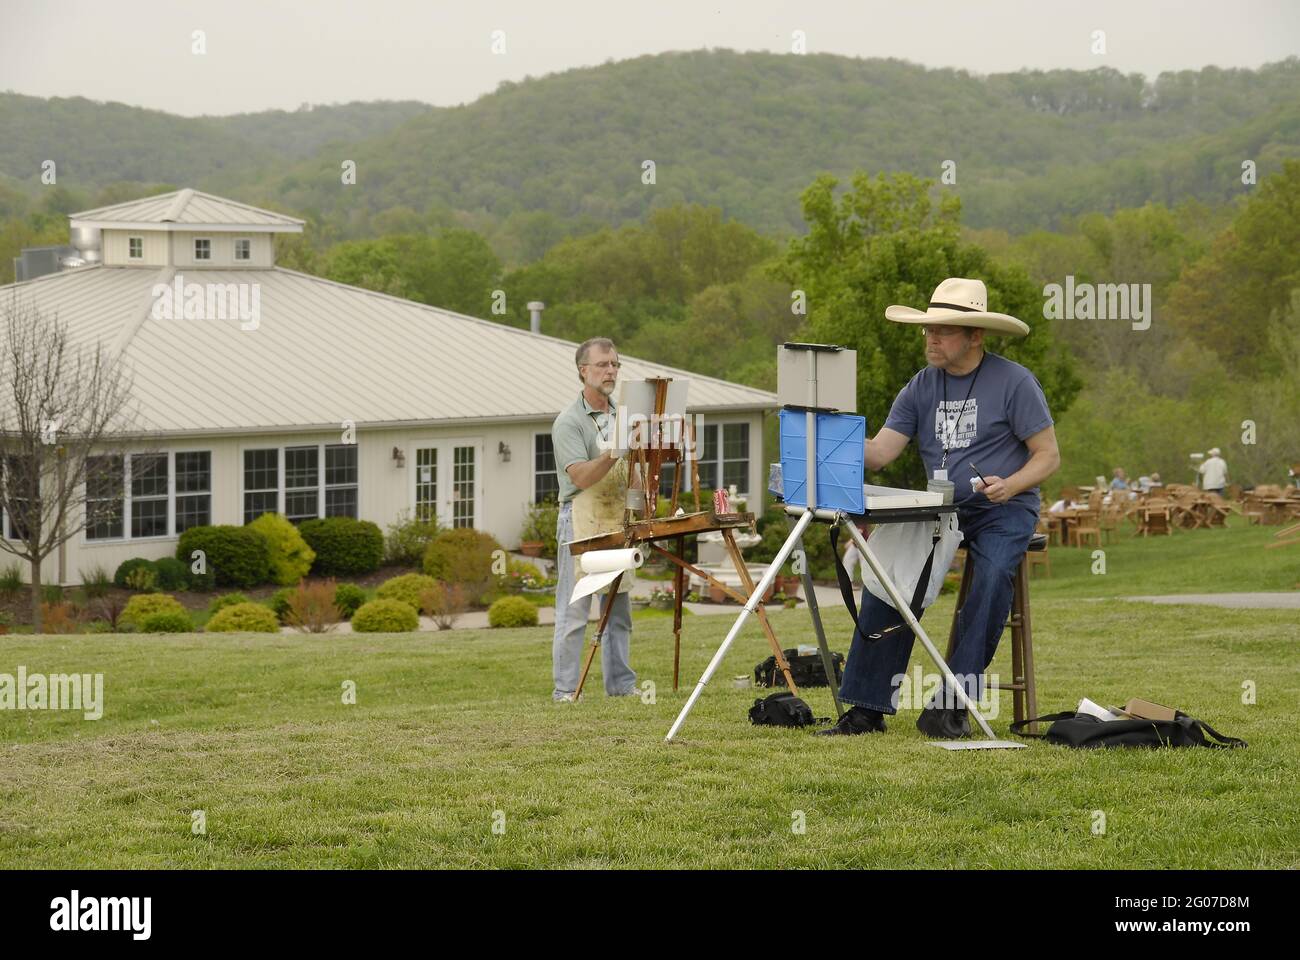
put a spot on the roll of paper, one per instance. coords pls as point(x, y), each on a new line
point(601, 567)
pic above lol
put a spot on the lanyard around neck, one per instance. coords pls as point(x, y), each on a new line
point(947, 436)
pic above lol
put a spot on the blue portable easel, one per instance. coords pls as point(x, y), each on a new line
point(832, 492)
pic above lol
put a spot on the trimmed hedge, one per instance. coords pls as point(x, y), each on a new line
point(166, 621)
point(145, 604)
point(464, 556)
point(125, 568)
point(385, 616)
point(244, 618)
point(406, 588)
point(236, 556)
point(512, 612)
point(348, 597)
point(289, 556)
point(343, 546)
point(172, 574)
point(226, 600)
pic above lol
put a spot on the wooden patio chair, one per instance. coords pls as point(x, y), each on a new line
point(1155, 517)
point(1087, 527)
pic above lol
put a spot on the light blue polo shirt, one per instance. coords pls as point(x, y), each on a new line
point(576, 435)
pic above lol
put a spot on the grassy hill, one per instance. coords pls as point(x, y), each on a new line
point(742, 131)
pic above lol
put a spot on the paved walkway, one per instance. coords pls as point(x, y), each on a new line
point(1233, 601)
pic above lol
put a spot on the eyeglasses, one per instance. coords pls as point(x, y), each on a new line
point(605, 365)
point(929, 330)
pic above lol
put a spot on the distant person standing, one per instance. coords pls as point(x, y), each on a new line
point(1214, 473)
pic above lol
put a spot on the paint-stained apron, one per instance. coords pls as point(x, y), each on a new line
point(599, 509)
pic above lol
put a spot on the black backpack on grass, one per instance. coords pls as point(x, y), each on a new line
point(1083, 730)
point(782, 710)
point(807, 670)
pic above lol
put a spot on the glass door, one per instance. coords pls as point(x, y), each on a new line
point(448, 482)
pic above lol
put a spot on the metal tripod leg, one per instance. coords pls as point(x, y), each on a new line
point(827, 664)
point(763, 583)
point(906, 611)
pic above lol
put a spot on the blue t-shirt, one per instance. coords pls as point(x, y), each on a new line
point(1006, 407)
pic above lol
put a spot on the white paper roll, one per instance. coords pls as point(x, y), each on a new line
point(601, 568)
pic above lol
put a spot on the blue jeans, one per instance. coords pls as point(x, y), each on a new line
point(995, 540)
point(571, 627)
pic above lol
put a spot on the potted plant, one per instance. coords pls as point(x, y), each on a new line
point(640, 603)
point(539, 521)
point(716, 594)
point(661, 599)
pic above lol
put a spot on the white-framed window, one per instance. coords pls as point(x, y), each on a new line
point(724, 456)
point(310, 479)
point(546, 485)
point(147, 496)
point(202, 248)
point(193, 489)
point(135, 248)
point(243, 248)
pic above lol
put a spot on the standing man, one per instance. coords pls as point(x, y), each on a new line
point(593, 480)
point(1214, 473)
point(966, 407)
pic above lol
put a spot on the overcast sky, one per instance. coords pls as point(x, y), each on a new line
point(266, 54)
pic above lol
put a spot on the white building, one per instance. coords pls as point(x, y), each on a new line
point(254, 408)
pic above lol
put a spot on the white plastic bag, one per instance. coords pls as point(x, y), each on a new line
point(902, 548)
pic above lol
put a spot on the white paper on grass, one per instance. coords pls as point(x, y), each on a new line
point(601, 567)
point(902, 548)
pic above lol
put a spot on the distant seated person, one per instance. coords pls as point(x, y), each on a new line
point(1144, 484)
point(1120, 482)
point(1064, 505)
point(1156, 481)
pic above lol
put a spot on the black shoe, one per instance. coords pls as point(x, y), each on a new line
point(856, 720)
point(944, 723)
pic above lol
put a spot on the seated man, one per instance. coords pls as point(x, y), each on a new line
point(970, 411)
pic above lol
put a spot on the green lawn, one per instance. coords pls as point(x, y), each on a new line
point(454, 731)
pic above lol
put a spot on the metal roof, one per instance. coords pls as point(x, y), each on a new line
point(325, 352)
point(186, 209)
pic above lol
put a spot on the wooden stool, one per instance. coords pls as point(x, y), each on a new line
point(1024, 691)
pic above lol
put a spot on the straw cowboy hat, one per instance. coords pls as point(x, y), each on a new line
point(1214, 451)
point(960, 303)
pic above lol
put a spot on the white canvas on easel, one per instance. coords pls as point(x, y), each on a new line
point(636, 405)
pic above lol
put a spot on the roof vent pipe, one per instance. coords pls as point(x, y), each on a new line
point(535, 308)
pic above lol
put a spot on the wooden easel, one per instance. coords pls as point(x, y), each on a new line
point(651, 454)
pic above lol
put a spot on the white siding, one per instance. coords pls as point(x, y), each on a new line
point(385, 491)
point(223, 250)
point(117, 248)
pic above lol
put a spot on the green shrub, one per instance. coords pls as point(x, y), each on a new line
point(165, 621)
point(279, 603)
point(406, 588)
point(234, 556)
point(244, 618)
point(348, 597)
point(407, 540)
point(126, 567)
point(385, 616)
point(539, 525)
point(95, 582)
point(144, 604)
point(463, 556)
point(344, 547)
point(172, 574)
point(226, 600)
point(143, 580)
point(512, 612)
point(287, 551)
point(52, 593)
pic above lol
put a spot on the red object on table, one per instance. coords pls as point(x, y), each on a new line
point(720, 502)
